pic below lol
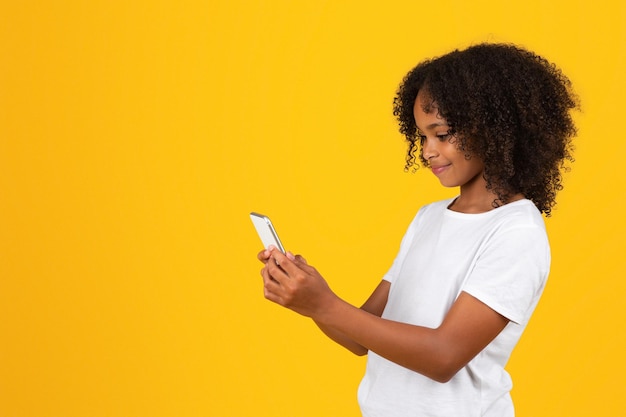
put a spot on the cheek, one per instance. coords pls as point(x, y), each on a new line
point(476, 167)
point(471, 166)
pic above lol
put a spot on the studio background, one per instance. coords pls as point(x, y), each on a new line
point(136, 136)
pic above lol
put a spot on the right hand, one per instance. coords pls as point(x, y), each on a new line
point(290, 282)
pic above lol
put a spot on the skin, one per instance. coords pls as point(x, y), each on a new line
point(450, 165)
point(437, 353)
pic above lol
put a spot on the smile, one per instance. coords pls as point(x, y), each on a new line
point(439, 169)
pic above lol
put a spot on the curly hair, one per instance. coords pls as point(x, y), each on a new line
point(505, 105)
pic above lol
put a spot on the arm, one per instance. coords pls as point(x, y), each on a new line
point(437, 353)
point(375, 304)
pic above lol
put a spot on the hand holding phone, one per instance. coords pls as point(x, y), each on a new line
point(266, 231)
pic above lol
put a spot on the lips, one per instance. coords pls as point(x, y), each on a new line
point(438, 169)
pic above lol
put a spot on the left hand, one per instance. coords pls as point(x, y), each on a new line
point(290, 282)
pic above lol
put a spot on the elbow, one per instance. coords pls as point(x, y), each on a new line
point(359, 351)
point(445, 368)
point(442, 376)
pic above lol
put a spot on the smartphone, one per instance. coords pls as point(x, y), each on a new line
point(266, 231)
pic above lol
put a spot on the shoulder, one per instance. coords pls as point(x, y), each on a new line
point(430, 213)
point(436, 207)
point(518, 227)
point(519, 214)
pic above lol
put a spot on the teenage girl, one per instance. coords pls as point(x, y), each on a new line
point(493, 120)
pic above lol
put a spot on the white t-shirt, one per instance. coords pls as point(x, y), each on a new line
point(501, 257)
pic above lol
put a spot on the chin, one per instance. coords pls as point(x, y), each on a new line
point(449, 184)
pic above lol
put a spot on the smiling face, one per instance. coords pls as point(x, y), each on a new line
point(439, 148)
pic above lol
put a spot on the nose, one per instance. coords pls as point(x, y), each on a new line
point(429, 148)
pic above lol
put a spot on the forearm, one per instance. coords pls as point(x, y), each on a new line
point(414, 347)
point(374, 305)
point(342, 339)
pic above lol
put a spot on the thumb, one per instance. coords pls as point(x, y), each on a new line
point(298, 259)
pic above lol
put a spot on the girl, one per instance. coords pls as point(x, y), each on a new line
point(493, 120)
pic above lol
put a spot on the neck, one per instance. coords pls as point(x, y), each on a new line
point(469, 205)
point(474, 197)
point(472, 203)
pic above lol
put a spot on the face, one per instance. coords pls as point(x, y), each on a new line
point(439, 148)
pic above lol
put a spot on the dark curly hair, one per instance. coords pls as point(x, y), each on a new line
point(505, 105)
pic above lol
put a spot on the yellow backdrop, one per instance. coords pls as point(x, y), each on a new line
point(135, 137)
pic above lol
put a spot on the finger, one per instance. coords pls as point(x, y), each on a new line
point(301, 263)
point(298, 259)
point(275, 270)
point(286, 265)
point(263, 256)
point(298, 264)
point(265, 273)
point(269, 295)
point(271, 287)
point(269, 281)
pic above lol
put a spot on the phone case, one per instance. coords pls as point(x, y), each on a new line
point(266, 231)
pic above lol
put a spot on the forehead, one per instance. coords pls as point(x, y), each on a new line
point(425, 102)
point(426, 112)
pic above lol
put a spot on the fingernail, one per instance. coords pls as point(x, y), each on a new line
point(291, 256)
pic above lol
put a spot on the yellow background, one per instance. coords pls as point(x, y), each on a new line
point(135, 137)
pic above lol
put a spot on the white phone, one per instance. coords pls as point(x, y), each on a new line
point(266, 231)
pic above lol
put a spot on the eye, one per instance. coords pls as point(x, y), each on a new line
point(444, 136)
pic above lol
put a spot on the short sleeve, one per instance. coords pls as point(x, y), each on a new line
point(405, 245)
point(511, 271)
